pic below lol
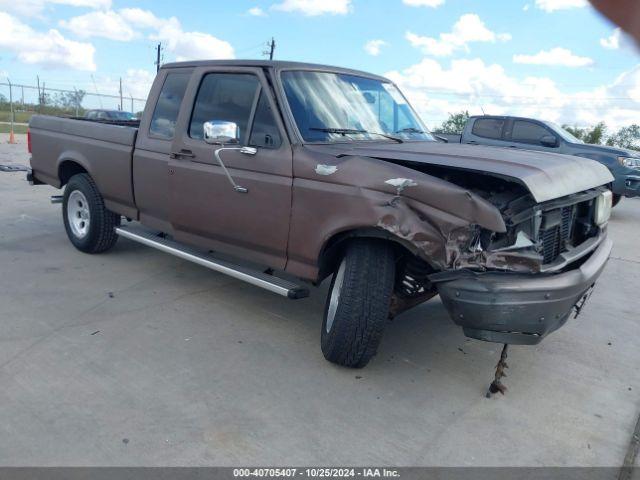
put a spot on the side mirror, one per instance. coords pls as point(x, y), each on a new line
point(219, 132)
point(441, 139)
point(549, 141)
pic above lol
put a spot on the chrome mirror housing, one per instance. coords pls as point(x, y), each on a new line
point(220, 132)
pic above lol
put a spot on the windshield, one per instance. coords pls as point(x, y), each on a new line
point(333, 107)
point(569, 137)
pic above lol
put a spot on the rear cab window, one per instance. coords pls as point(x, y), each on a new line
point(165, 114)
point(488, 128)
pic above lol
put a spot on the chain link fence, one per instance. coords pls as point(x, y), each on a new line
point(18, 102)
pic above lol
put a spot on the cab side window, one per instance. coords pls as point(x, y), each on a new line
point(227, 97)
point(165, 115)
point(265, 132)
point(488, 128)
point(528, 132)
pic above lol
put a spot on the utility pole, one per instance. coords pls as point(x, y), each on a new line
point(131, 97)
point(95, 87)
point(158, 56)
point(76, 102)
point(39, 95)
point(121, 95)
point(271, 49)
point(12, 138)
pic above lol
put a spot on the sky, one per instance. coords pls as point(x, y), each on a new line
point(553, 59)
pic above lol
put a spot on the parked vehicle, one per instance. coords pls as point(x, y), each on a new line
point(110, 115)
point(532, 134)
point(316, 171)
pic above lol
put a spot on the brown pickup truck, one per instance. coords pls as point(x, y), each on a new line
point(283, 174)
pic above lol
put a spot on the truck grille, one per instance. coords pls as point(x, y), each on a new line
point(555, 237)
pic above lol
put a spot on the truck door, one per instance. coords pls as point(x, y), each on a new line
point(486, 131)
point(153, 146)
point(533, 136)
point(251, 222)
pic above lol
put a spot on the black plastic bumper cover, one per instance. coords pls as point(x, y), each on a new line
point(520, 309)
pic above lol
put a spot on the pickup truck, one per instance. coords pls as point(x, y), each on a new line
point(532, 134)
point(283, 174)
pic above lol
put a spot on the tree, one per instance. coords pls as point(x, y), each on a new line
point(626, 137)
point(575, 131)
point(594, 135)
point(70, 100)
point(455, 123)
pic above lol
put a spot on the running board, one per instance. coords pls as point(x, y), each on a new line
point(254, 277)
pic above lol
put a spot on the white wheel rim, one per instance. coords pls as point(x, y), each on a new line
point(78, 214)
point(334, 300)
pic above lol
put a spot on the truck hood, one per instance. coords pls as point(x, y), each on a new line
point(613, 151)
point(546, 175)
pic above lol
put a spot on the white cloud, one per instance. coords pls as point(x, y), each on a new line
point(468, 29)
point(128, 23)
point(48, 49)
point(315, 7)
point(612, 42)
point(34, 8)
point(256, 12)
point(107, 24)
point(136, 83)
point(553, 5)
point(473, 85)
point(526, 8)
point(373, 47)
point(191, 45)
point(141, 18)
point(555, 57)
point(423, 3)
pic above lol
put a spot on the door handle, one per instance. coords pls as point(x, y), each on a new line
point(182, 154)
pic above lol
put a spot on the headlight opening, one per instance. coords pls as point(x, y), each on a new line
point(602, 211)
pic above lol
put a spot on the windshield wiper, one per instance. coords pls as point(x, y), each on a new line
point(411, 130)
point(355, 131)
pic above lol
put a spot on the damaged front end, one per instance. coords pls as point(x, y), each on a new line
point(518, 286)
point(509, 267)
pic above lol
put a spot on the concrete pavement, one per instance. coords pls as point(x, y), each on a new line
point(134, 357)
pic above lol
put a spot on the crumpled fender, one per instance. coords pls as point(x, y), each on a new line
point(335, 195)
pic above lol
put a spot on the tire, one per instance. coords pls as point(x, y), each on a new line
point(357, 308)
point(616, 200)
point(89, 225)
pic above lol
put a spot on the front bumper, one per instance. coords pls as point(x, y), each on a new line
point(520, 309)
point(628, 185)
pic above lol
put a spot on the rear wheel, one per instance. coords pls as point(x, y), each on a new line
point(89, 225)
point(357, 307)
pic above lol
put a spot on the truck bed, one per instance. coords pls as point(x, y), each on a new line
point(104, 150)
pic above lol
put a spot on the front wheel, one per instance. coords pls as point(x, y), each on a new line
point(616, 199)
point(89, 225)
point(357, 307)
